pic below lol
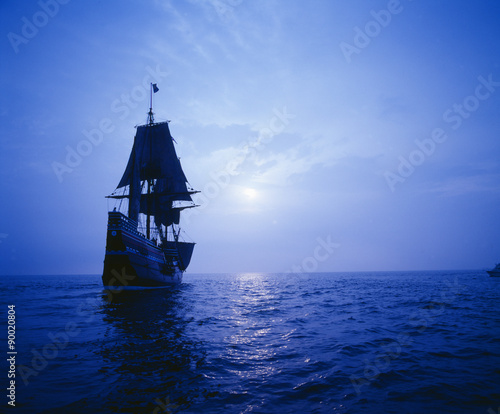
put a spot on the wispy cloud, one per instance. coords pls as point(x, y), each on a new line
point(457, 186)
point(278, 167)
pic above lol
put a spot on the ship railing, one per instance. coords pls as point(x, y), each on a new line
point(170, 252)
point(119, 220)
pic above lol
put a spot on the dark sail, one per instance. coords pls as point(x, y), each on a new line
point(153, 157)
point(185, 250)
point(161, 208)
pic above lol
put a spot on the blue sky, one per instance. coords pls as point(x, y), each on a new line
point(323, 135)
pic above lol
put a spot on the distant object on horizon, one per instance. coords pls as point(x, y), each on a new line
point(143, 246)
point(495, 272)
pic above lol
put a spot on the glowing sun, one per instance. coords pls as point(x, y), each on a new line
point(250, 192)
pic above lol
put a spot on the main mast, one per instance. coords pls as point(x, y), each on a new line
point(150, 122)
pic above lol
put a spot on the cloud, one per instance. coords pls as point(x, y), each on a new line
point(278, 167)
point(457, 186)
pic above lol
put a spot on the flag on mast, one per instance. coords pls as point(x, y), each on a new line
point(155, 88)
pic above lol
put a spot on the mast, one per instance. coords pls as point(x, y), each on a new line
point(153, 88)
point(150, 123)
point(148, 219)
point(130, 191)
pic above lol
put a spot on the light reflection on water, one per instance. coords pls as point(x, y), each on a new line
point(268, 343)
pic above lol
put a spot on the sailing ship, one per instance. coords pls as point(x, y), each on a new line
point(494, 272)
point(144, 246)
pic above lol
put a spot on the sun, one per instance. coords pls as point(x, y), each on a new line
point(250, 192)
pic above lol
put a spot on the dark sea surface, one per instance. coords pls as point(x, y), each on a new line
point(382, 342)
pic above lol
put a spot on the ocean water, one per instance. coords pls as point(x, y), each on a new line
point(383, 342)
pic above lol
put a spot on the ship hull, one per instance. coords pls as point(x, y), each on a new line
point(494, 273)
point(133, 260)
